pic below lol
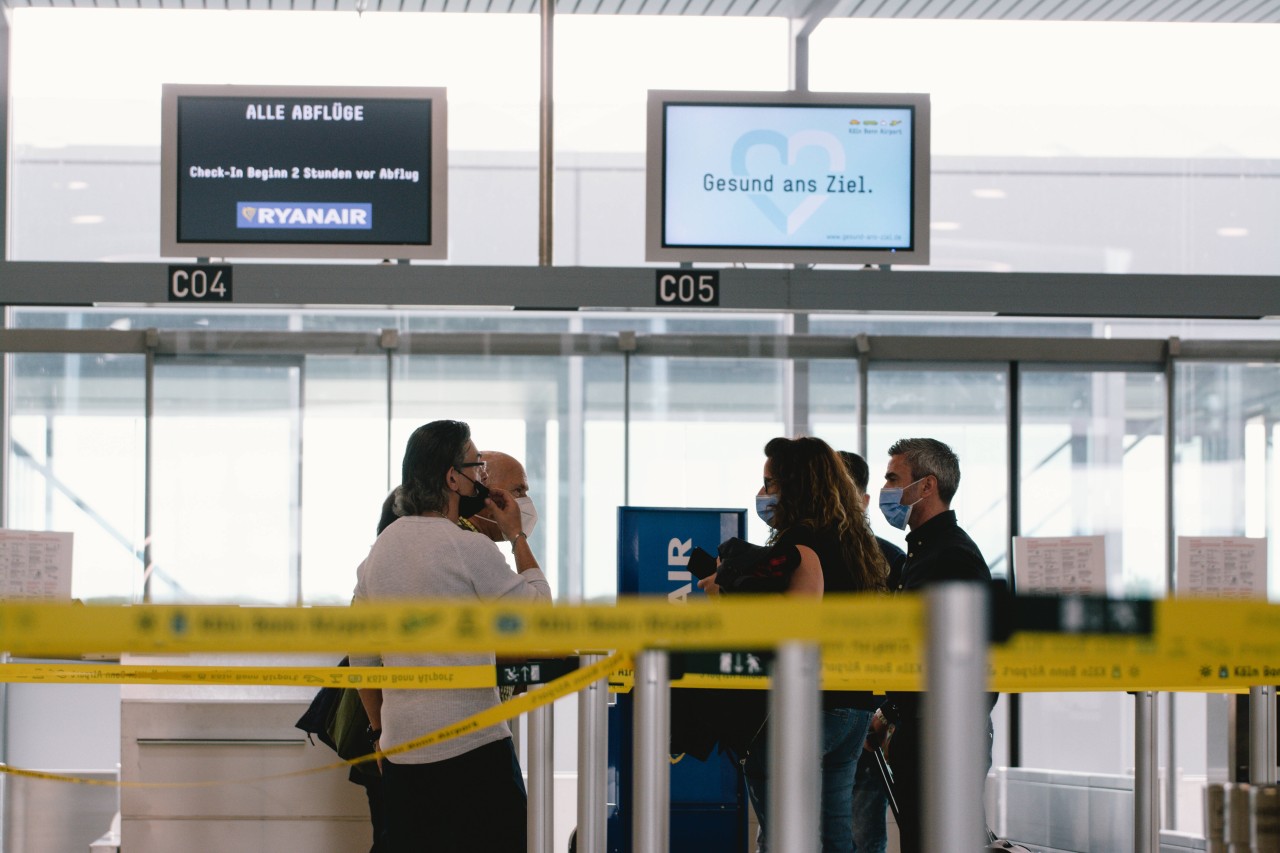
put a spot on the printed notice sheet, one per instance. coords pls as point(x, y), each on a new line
point(1222, 566)
point(1073, 565)
point(35, 564)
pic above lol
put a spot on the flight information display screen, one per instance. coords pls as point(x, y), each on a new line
point(304, 171)
point(788, 177)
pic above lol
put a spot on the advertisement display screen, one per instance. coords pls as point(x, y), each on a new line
point(788, 177)
point(304, 172)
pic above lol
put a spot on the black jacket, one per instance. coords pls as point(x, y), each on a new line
point(938, 550)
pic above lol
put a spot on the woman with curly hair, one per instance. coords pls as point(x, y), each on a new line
point(812, 505)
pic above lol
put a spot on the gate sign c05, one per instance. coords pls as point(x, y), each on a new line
point(691, 288)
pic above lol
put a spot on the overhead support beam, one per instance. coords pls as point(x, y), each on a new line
point(546, 137)
point(801, 28)
point(1092, 295)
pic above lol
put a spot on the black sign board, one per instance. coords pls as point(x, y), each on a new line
point(688, 288)
point(200, 283)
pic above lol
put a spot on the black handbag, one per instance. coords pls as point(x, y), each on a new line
point(337, 718)
point(747, 568)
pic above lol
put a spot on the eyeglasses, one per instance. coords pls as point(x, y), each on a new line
point(483, 473)
point(769, 483)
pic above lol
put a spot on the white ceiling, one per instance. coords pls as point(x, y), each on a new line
point(1196, 11)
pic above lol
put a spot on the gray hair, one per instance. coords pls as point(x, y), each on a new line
point(928, 456)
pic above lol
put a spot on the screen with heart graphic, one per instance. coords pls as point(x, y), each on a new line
point(331, 172)
point(788, 177)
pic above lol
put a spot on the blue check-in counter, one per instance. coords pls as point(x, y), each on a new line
point(708, 798)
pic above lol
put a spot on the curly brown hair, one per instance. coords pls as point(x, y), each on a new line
point(817, 493)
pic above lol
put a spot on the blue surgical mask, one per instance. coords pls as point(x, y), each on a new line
point(894, 510)
point(765, 506)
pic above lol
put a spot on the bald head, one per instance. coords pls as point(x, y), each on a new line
point(505, 472)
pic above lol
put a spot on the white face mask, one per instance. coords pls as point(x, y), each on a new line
point(528, 515)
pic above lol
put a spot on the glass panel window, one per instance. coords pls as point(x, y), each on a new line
point(1227, 470)
point(698, 431)
point(226, 481)
point(968, 410)
point(1092, 454)
point(559, 416)
point(345, 472)
point(833, 405)
point(76, 462)
point(1092, 464)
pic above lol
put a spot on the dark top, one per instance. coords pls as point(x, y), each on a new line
point(938, 550)
point(837, 577)
point(895, 557)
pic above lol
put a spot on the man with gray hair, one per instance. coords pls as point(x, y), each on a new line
point(919, 482)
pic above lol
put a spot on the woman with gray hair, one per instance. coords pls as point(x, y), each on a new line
point(465, 793)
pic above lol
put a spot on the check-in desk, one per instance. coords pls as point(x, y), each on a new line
point(177, 736)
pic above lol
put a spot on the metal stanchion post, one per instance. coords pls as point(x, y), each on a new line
point(795, 749)
point(1215, 804)
point(955, 711)
point(1146, 816)
point(1264, 818)
point(1262, 735)
point(1236, 823)
point(593, 758)
point(541, 751)
point(651, 809)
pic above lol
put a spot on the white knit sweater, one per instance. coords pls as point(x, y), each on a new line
point(419, 557)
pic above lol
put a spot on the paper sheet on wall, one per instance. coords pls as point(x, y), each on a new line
point(35, 564)
point(1222, 566)
point(1061, 565)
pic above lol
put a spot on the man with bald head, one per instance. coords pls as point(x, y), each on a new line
point(505, 472)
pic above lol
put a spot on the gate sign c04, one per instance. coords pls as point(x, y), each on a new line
point(694, 288)
point(200, 283)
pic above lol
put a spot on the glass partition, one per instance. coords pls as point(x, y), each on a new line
point(561, 419)
point(1227, 470)
point(345, 472)
point(698, 431)
point(1092, 451)
point(1093, 460)
point(226, 481)
point(75, 463)
point(833, 405)
point(968, 410)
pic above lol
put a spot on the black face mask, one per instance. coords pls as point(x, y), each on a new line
point(469, 505)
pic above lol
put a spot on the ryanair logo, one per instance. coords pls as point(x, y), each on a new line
point(304, 214)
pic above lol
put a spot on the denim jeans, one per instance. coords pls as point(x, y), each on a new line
point(843, 731)
point(870, 804)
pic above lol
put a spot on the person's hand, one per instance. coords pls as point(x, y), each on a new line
point(879, 733)
point(506, 513)
point(709, 585)
point(377, 747)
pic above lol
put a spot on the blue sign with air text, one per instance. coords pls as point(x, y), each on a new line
point(708, 798)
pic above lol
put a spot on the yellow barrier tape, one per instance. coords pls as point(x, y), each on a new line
point(870, 642)
point(31, 629)
point(373, 677)
point(573, 682)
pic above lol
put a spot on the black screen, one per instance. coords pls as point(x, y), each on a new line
point(304, 170)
